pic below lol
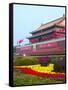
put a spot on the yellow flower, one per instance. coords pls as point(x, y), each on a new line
point(39, 68)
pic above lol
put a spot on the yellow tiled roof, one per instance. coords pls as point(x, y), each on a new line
point(51, 23)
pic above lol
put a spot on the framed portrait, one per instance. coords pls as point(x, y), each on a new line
point(37, 44)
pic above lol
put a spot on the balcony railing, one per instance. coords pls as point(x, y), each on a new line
point(54, 35)
point(49, 41)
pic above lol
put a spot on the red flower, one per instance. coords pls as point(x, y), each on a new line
point(32, 72)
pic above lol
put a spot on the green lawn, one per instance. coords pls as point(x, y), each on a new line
point(21, 79)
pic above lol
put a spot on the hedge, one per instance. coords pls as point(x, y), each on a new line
point(25, 60)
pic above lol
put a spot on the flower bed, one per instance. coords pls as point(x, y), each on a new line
point(33, 72)
point(38, 67)
point(39, 70)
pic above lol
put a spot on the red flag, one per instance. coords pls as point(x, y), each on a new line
point(20, 41)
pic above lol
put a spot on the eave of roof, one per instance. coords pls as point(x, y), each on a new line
point(39, 35)
point(49, 24)
point(45, 32)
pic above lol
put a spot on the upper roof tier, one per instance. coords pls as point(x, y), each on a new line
point(59, 22)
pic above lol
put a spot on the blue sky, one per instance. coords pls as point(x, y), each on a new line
point(27, 18)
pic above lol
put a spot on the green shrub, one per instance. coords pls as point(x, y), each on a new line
point(27, 60)
point(60, 65)
point(53, 60)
